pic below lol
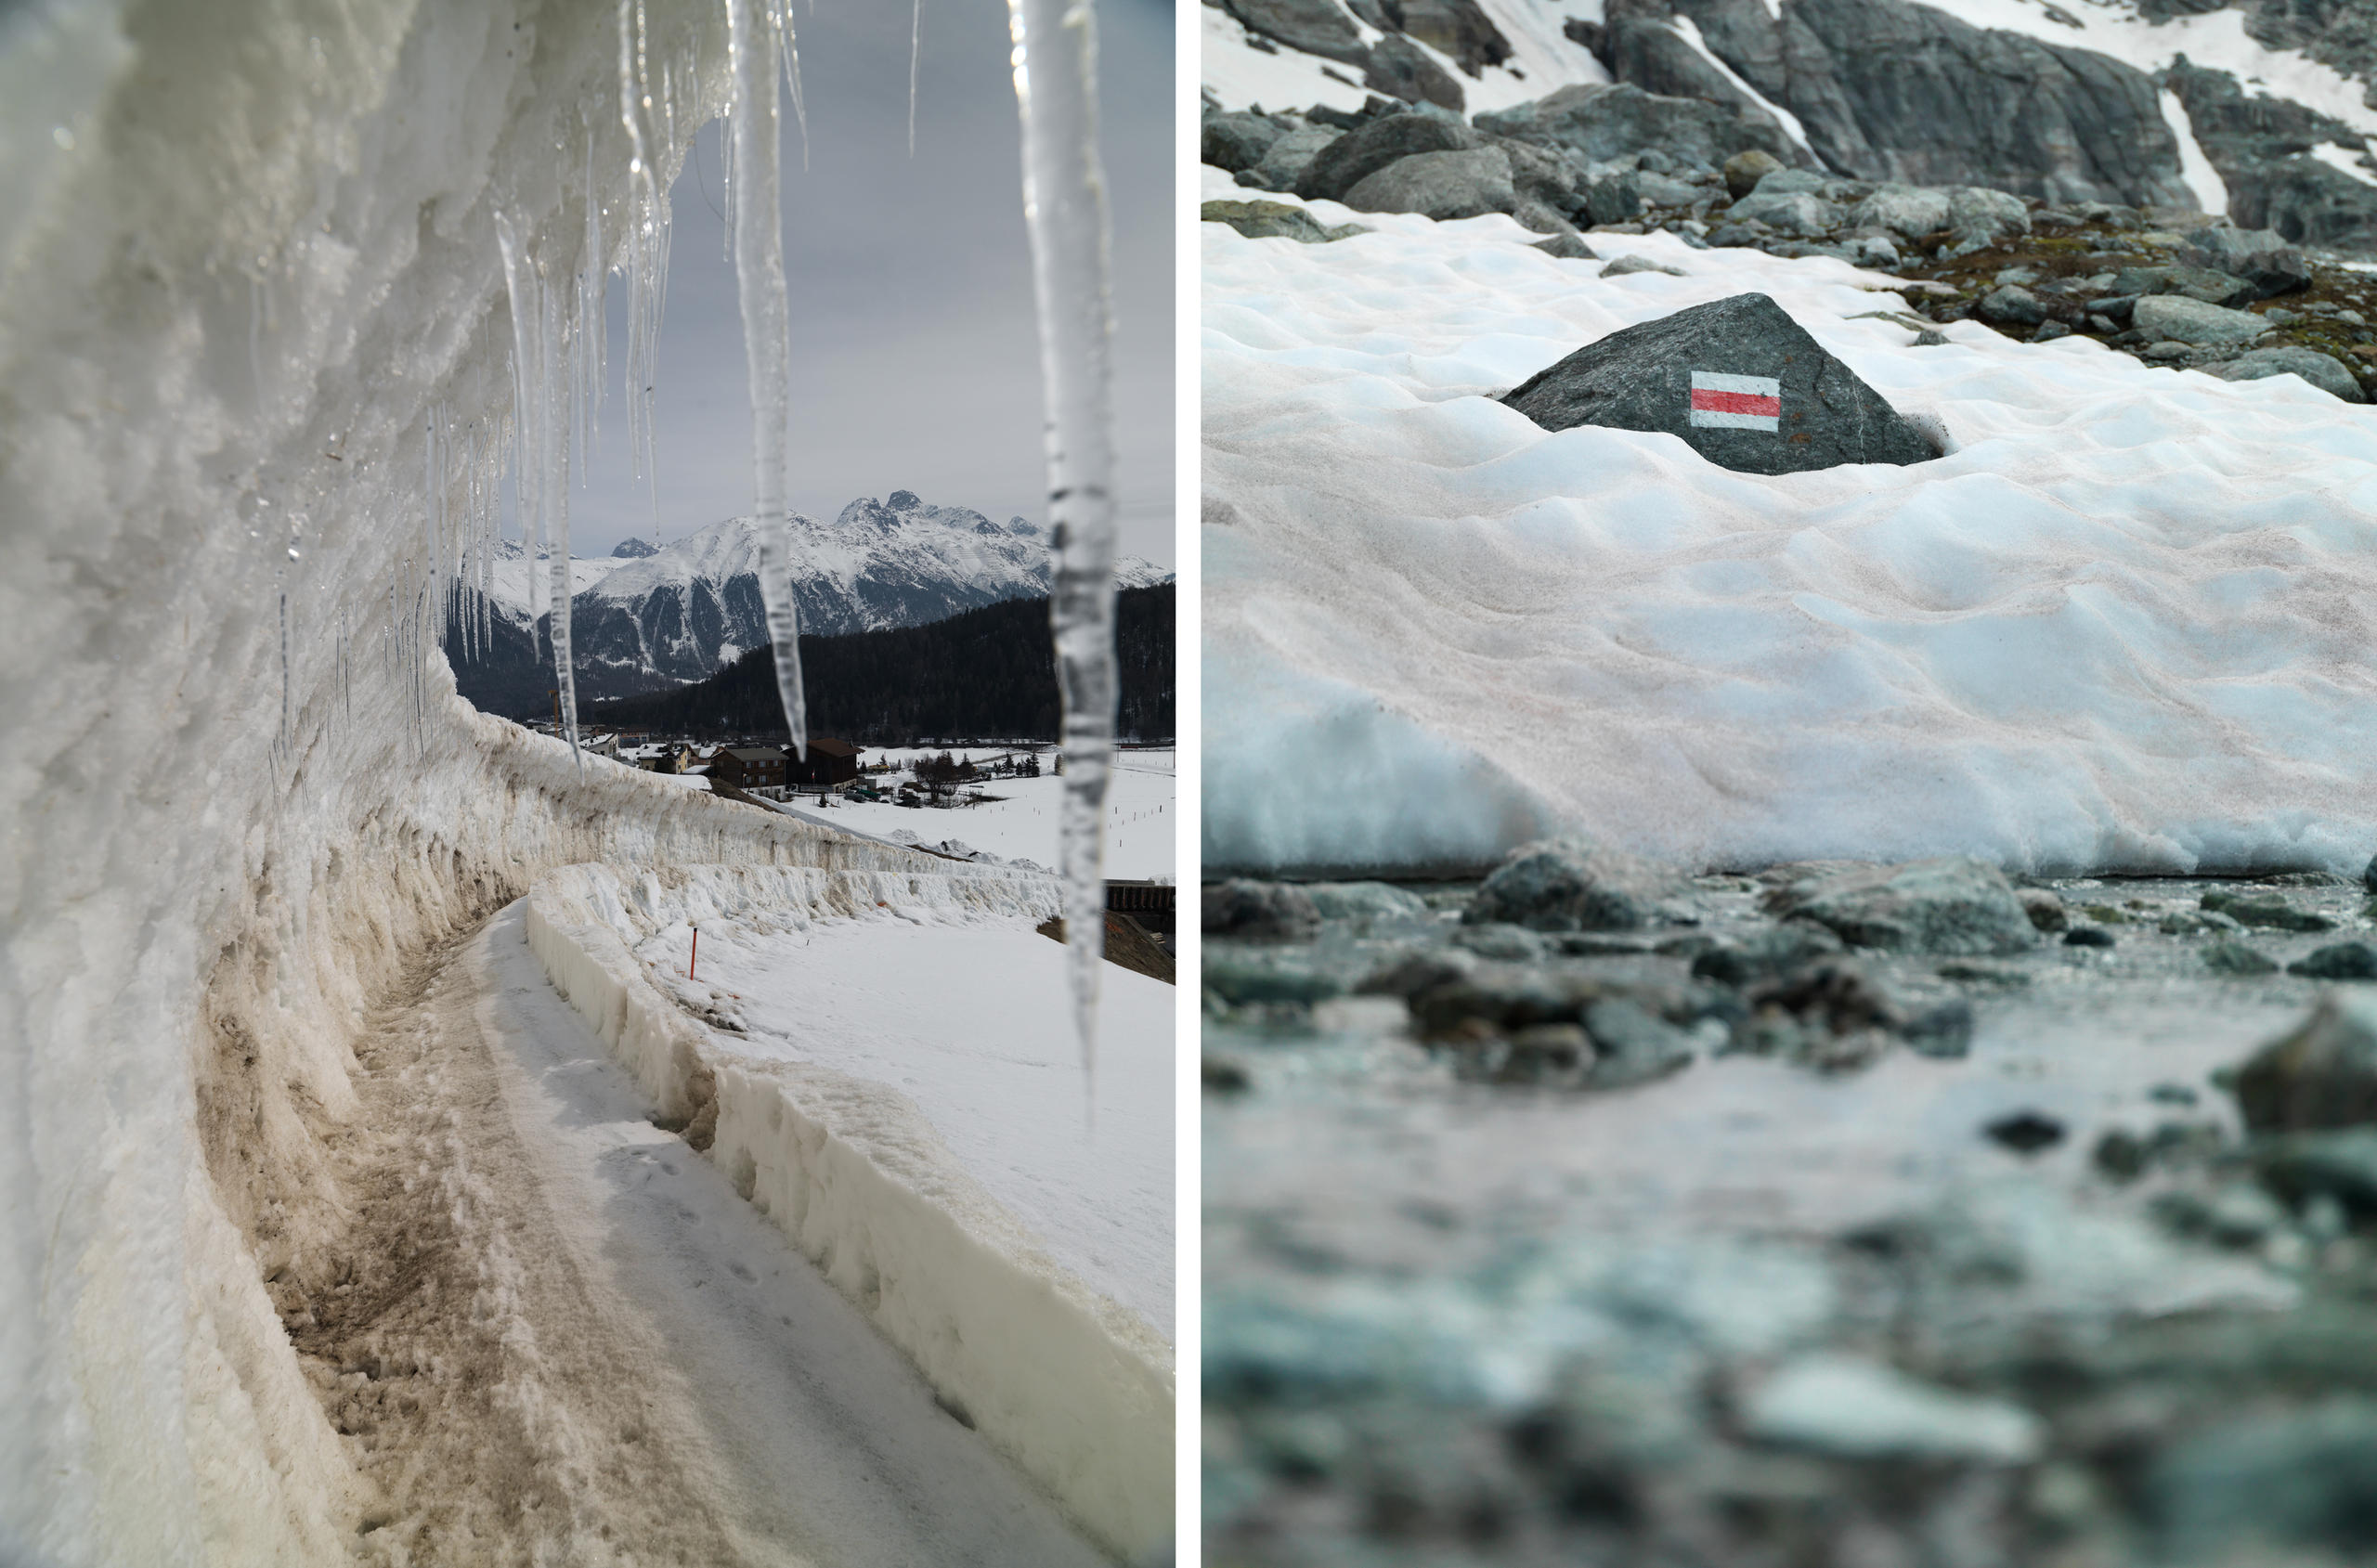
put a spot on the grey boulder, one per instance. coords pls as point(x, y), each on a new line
point(1360, 154)
point(2176, 319)
point(1604, 122)
point(2322, 371)
point(1439, 184)
point(2322, 1073)
point(1644, 378)
point(1275, 220)
point(1286, 159)
point(1800, 212)
point(2260, 256)
point(1237, 141)
point(1908, 211)
point(1957, 905)
point(1567, 884)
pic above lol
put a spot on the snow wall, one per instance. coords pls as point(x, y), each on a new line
point(245, 253)
point(1073, 1388)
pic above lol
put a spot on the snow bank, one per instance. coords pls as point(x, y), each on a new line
point(1073, 1388)
point(2122, 626)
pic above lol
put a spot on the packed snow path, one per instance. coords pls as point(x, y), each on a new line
point(559, 1335)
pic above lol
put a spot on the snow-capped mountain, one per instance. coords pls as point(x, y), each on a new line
point(679, 613)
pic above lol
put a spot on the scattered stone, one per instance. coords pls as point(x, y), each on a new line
point(1768, 954)
point(2087, 936)
point(1738, 380)
point(1605, 122)
point(1567, 247)
point(1635, 1045)
point(1443, 186)
point(1801, 213)
point(1980, 217)
point(1616, 200)
point(1250, 976)
point(1958, 907)
point(2026, 1132)
point(1853, 1408)
point(1287, 157)
point(2011, 305)
point(1910, 211)
point(2260, 256)
point(2339, 961)
point(2341, 1166)
point(1567, 884)
point(2235, 1215)
point(2045, 908)
point(2172, 1094)
point(1744, 170)
point(1276, 220)
point(1983, 974)
point(2267, 911)
point(2322, 371)
point(2190, 282)
point(1929, 337)
point(1626, 266)
point(1417, 972)
point(2238, 958)
point(1225, 1076)
point(2322, 1073)
point(1360, 154)
point(1236, 142)
point(1944, 1032)
point(1547, 1053)
point(1259, 910)
point(2176, 319)
point(1369, 903)
point(2049, 332)
point(2195, 922)
point(1504, 944)
point(2121, 1155)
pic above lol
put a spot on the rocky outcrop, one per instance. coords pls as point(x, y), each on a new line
point(2262, 146)
point(1603, 123)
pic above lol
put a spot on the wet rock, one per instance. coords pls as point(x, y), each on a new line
point(1626, 266)
point(1634, 1044)
point(1315, 27)
point(1767, 955)
point(1567, 884)
point(2268, 911)
point(1943, 1032)
point(1223, 1075)
point(1983, 974)
point(1502, 1003)
point(2026, 1132)
point(1738, 380)
point(1831, 1017)
point(2322, 1073)
point(2322, 371)
point(2300, 1478)
point(1504, 943)
point(2339, 961)
point(1286, 159)
point(1614, 200)
point(2172, 1094)
point(1853, 1408)
point(2235, 1215)
point(1371, 903)
point(2193, 923)
point(2121, 1154)
point(1443, 186)
point(2045, 908)
point(1275, 220)
point(1360, 154)
point(1244, 976)
point(1408, 976)
point(2087, 936)
point(1567, 247)
point(1548, 1054)
point(1403, 70)
point(2369, 876)
point(1744, 170)
point(2188, 282)
point(1958, 906)
point(1259, 910)
point(2176, 319)
point(1236, 142)
point(2238, 958)
point(1980, 217)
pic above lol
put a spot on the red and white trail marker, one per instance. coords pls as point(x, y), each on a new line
point(1721, 402)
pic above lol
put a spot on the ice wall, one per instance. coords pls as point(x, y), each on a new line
point(246, 253)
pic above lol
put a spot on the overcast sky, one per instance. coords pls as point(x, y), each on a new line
point(916, 360)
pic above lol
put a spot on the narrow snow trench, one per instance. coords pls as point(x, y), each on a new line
point(558, 1335)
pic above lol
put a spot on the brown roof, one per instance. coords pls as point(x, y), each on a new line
point(756, 753)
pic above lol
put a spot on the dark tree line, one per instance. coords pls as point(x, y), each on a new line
point(987, 672)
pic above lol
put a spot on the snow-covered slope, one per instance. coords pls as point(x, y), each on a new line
point(685, 609)
point(523, 589)
point(2123, 624)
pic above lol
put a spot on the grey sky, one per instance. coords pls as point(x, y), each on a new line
point(914, 355)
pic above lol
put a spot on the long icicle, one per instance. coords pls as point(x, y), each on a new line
point(916, 49)
point(766, 336)
point(1054, 61)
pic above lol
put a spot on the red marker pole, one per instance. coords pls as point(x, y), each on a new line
point(696, 952)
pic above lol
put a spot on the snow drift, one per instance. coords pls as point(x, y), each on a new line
point(247, 268)
point(2121, 625)
point(1071, 1386)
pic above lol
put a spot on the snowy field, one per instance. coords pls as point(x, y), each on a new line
point(1021, 824)
point(954, 1014)
point(2123, 625)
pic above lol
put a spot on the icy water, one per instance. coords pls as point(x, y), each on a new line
point(1453, 1318)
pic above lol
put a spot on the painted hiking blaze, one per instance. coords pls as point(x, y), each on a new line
point(1735, 402)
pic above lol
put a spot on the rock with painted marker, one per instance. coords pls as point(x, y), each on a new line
point(1740, 382)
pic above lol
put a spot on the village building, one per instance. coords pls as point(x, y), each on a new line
point(830, 763)
point(750, 766)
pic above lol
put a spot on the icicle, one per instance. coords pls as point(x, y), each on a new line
point(915, 48)
point(1055, 59)
point(767, 337)
point(554, 490)
point(647, 243)
point(780, 15)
